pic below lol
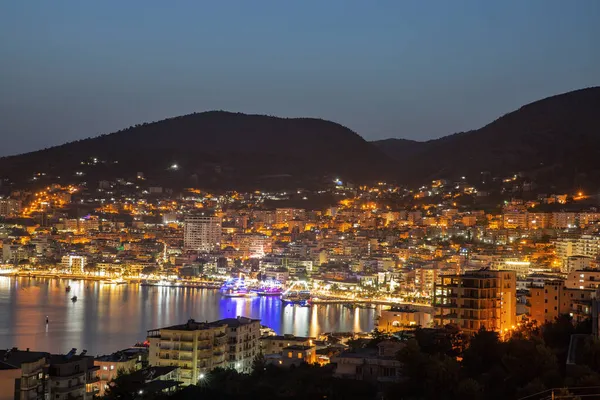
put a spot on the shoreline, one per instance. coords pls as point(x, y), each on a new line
point(359, 303)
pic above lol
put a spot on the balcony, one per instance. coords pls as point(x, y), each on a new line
point(446, 305)
point(478, 307)
point(65, 389)
point(449, 285)
point(67, 377)
point(448, 316)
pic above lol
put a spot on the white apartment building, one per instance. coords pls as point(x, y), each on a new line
point(202, 233)
point(243, 339)
point(73, 263)
point(194, 347)
point(583, 246)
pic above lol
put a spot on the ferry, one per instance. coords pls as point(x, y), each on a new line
point(270, 287)
point(297, 293)
point(300, 297)
point(74, 299)
point(235, 287)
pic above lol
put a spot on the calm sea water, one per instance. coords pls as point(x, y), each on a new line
point(106, 318)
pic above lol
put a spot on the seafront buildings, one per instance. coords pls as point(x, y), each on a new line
point(425, 252)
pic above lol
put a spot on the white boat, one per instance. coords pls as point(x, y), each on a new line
point(235, 287)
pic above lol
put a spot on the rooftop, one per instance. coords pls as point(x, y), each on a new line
point(119, 356)
point(191, 325)
point(14, 358)
point(235, 322)
point(298, 347)
point(288, 337)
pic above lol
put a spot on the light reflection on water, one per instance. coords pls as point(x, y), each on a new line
point(106, 318)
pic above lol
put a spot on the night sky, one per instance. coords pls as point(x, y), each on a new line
point(398, 68)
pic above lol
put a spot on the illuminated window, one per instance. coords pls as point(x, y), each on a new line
point(112, 367)
point(290, 355)
point(300, 355)
point(105, 368)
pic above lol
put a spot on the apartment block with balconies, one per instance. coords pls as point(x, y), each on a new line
point(72, 376)
point(479, 299)
point(243, 342)
point(195, 347)
point(23, 375)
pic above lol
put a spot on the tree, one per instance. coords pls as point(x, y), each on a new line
point(259, 365)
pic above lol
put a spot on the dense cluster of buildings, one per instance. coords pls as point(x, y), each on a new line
point(450, 252)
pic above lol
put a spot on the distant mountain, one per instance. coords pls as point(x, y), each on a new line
point(212, 149)
point(399, 149)
point(555, 140)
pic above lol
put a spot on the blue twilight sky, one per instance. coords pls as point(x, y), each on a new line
point(401, 68)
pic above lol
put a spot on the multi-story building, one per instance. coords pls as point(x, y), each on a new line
point(298, 354)
point(575, 263)
point(479, 299)
point(403, 318)
point(425, 278)
point(72, 376)
point(22, 375)
point(285, 215)
point(583, 246)
point(9, 207)
point(194, 347)
point(252, 245)
point(587, 219)
point(513, 220)
point(111, 365)
point(73, 264)
point(583, 279)
point(373, 365)
point(552, 299)
point(276, 344)
point(16, 252)
point(243, 339)
point(563, 220)
point(538, 220)
point(202, 233)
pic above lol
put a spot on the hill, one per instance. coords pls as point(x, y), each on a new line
point(211, 149)
point(556, 141)
point(399, 149)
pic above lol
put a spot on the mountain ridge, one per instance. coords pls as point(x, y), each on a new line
point(213, 148)
point(559, 135)
point(555, 140)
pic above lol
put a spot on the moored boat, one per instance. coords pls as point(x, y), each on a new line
point(297, 293)
point(301, 297)
point(234, 287)
point(270, 287)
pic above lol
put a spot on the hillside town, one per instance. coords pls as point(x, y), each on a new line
point(446, 254)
